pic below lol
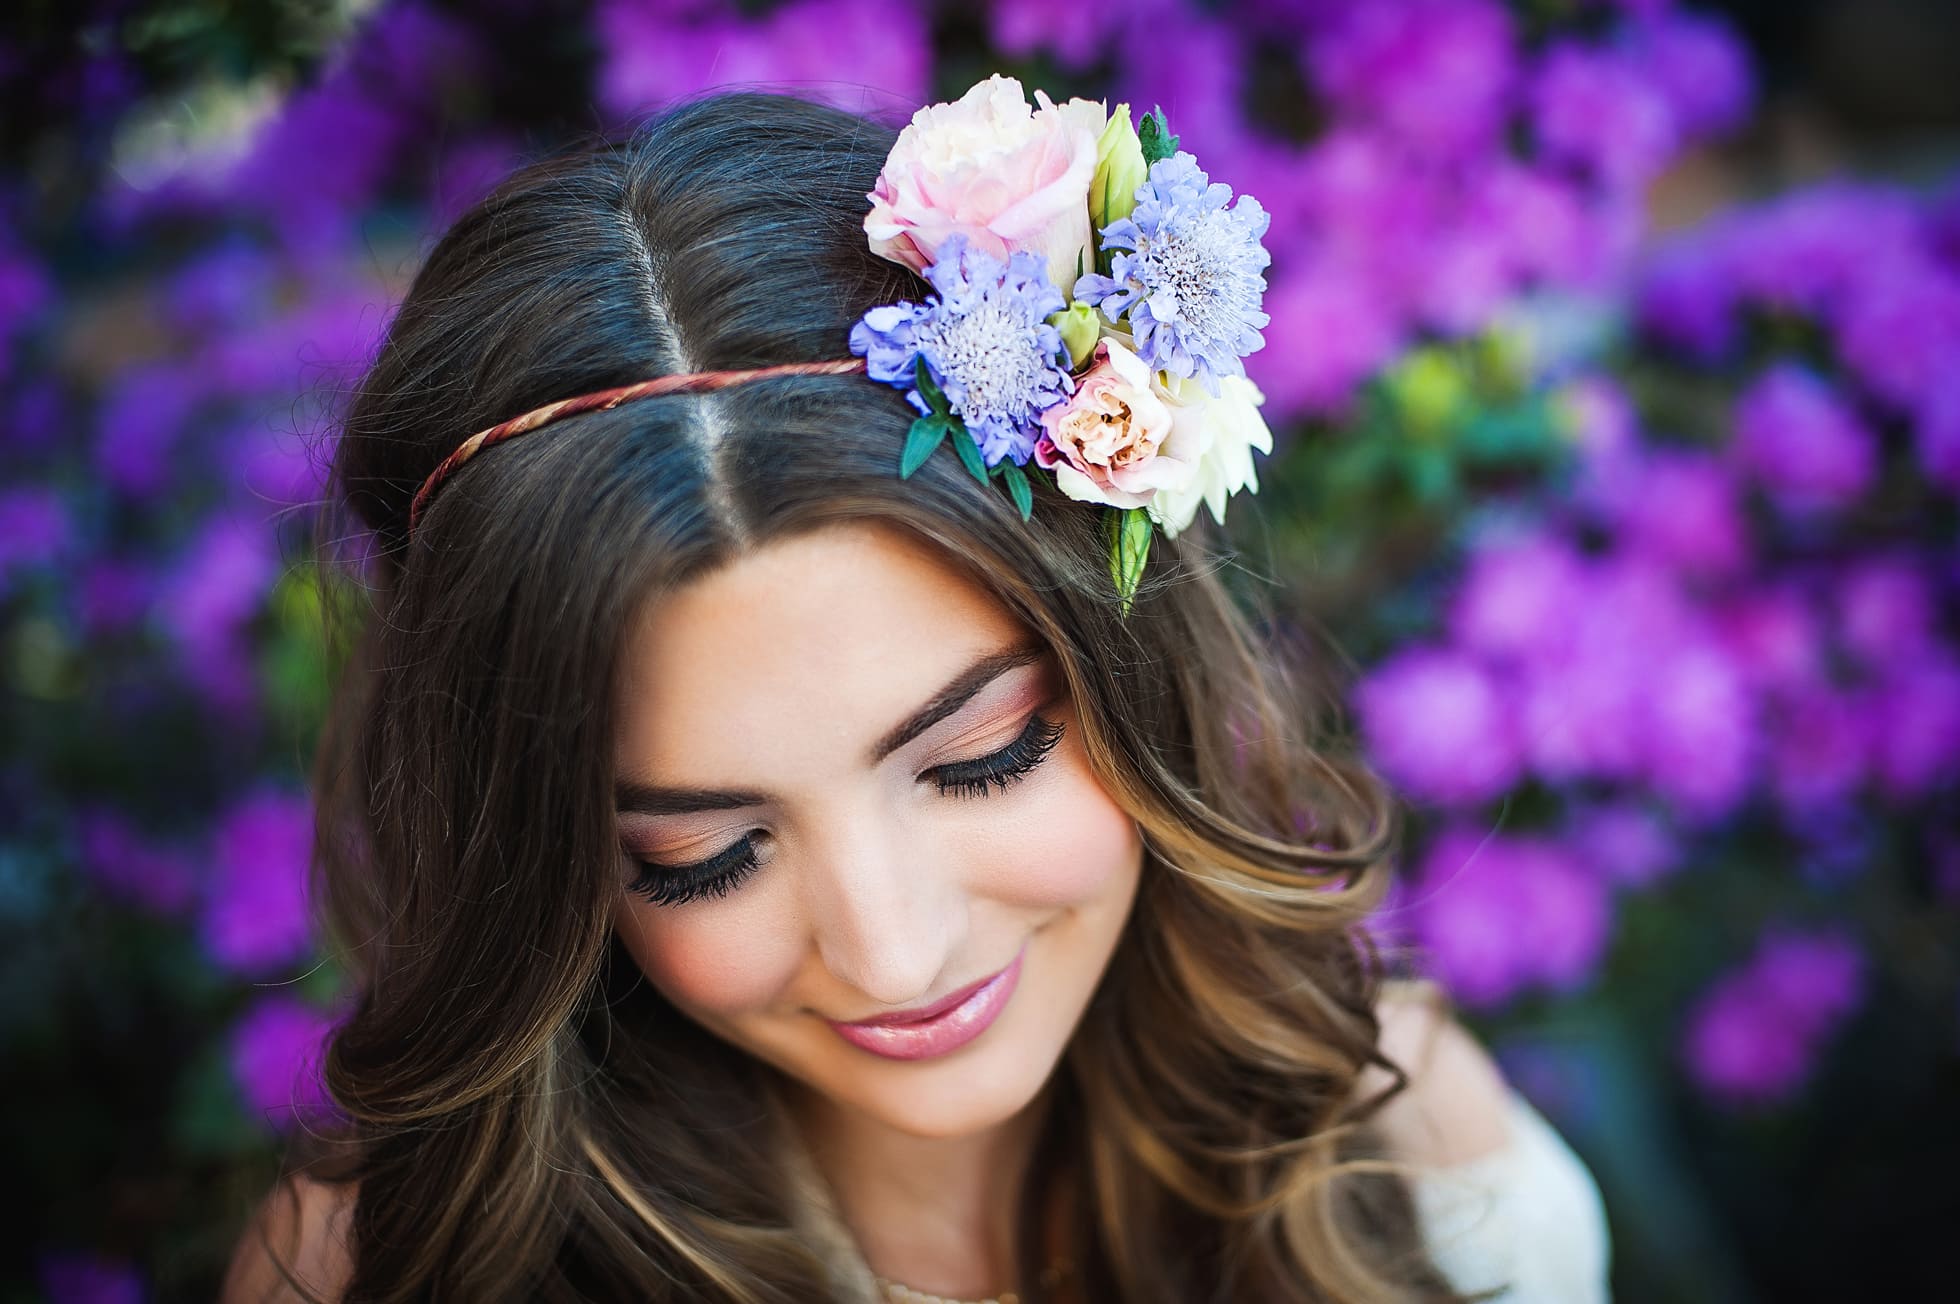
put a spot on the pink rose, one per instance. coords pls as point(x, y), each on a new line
point(988, 167)
point(1107, 443)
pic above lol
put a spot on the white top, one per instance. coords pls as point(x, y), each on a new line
point(1529, 1214)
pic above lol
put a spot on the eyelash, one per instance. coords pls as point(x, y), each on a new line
point(718, 875)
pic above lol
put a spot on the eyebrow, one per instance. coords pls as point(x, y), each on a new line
point(645, 799)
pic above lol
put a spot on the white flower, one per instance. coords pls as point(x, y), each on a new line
point(1222, 432)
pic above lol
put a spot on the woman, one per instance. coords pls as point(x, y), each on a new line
point(768, 877)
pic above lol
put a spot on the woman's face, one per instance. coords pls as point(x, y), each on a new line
point(881, 777)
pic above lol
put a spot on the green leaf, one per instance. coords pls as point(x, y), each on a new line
point(1155, 135)
point(969, 452)
point(1128, 532)
point(1018, 489)
point(929, 388)
point(927, 434)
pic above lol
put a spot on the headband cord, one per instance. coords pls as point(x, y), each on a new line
point(690, 382)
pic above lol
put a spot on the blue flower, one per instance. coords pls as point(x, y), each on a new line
point(986, 341)
point(1191, 277)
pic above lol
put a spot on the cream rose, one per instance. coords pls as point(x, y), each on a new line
point(1218, 434)
point(991, 168)
point(1107, 443)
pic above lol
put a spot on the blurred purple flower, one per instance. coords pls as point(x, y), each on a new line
point(1899, 330)
point(1753, 1035)
point(1807, 251)
point(1437, 74)
point(114, 595)
point(25, 289)
point(1700, 65)
point(144, 416)
point(133, 869)
point(838, 48)
point(216, 587)
point(1686, 296)
point(1333, 331)
point(1885, 608)
point(1076, 37)
point(1517, 597)
point(36, 417)
point(1679, 508)
point(1803, 441)
point(35, 531)
point(1597, 110)
point(1495, 913)
point(256, 914)
point(276, 1050)
point(1917, 736)
point(1700, 730)
point(1539, 223)
point(85, 1279)
point(1819, 748)
point(1936, 437)
point(1625, 842)
point(227, 285)
point(468, 171)
point(1773, 633)
point(1435, 721)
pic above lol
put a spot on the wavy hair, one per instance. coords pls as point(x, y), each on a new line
point(526, 1117)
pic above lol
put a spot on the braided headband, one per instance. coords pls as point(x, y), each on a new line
point(691, 382)
point(1103, 343)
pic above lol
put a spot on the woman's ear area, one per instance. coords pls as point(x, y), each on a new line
point(1456, 1107)
point(297, 1234)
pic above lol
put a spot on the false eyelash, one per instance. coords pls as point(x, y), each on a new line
point(717, 876)
point(1008, 765)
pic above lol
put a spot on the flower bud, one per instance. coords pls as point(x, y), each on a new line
point(1080, 327)
point(1120, 169)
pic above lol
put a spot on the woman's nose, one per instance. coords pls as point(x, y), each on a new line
point(887, 919)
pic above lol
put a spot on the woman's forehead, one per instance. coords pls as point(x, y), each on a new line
point(818, 637)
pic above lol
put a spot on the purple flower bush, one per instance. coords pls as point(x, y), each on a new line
point(1645, 544)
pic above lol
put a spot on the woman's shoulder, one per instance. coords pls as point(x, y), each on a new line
point(296, 1246)
point(1501, 1196)
point(1457, 1106)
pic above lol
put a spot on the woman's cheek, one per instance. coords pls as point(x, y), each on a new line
point(1067, 843)
point(705, 957)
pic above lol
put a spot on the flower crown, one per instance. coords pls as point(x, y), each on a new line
point(1095, 299)
point(1125, 378)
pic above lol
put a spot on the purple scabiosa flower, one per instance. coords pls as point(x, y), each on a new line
point(275, 1053)
point(1701, 66)
point(256, 914)
point(1805, 252)
point(1437, 74)
point(1436, 722)
point(1187, 273)
point(1775, 634)
point(986, 341)
point(130, 868)
point(85, 1279)
point(1803, 441)
point(1597, 110)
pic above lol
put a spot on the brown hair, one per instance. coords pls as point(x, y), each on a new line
point(526, 1117)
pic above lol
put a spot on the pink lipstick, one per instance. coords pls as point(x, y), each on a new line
point(935, 1029)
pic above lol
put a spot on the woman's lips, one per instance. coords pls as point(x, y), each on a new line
point(944, 1026)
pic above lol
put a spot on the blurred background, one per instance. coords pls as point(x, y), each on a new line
point(1613, 363)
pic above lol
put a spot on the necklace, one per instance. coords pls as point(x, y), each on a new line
point(897, 1292)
